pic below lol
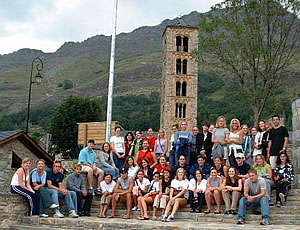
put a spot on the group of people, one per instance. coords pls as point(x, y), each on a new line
point(196, 168)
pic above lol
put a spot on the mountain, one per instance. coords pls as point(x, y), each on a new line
point(86, 64)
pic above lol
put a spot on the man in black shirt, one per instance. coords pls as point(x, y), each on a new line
point(278, 141)
point(242, 167)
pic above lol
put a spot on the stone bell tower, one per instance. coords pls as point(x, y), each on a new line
point(179, 76)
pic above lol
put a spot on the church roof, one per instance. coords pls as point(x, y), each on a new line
point(180, 22)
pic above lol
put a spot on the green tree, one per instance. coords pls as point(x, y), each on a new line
point(63, 125)
point(253, 42)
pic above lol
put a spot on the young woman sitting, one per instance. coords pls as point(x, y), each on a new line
point(162, 198)
point(107, 188)
point(20, 184)
point(148, 199)
point(231, 191)
point(197, 187)
point(141, 186)
point(178, 195)
point(213, 192)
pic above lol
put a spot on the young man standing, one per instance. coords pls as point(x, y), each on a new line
point(278, 140)
point(255, 194)
point(55, 182)
point(242, 167)
point(87, 159)
point(76, 183)
point(123, 193)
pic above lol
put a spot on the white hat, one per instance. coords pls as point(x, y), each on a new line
point(240, 155)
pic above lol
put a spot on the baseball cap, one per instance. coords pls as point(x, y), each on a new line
point(124, 170)
point(240, 155)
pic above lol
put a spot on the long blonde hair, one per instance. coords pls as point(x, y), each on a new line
point(224, 118)
point(237, 120)
point(262, 157)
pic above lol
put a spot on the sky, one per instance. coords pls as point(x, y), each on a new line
point(47, 24)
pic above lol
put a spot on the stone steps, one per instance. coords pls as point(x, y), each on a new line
point(91, 223)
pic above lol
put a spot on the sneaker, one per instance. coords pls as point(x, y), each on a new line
point(164, 218)
point(91, 191)
point(240, 221)
point(271, 203)
point(73, 214)
point(52, 206)
point(138, 209)
point(44, 215)
point(264, 222)
point(170, 218)
point(134, 208)
point(282, 198)
point(98, 192)
point(278, 204)
point(58, 214)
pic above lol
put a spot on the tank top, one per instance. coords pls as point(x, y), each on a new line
point(234, 136)
point(165, 185)
point(15, 179)
point(143, 155)
point(160, 145)
point(218, 184)
point(233, 184)
point(124, 184)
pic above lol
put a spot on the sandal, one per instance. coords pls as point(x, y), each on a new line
point(126, 217)
point(207, 211)
point(217, 212)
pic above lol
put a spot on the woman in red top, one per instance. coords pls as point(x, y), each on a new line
point(145, 153)
point(129, 144)
point(162, 165)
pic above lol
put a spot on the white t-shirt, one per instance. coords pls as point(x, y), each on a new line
point(154, 186)
point(180, 185)
point(132, 171)
point(142, 184)
point(118, 142)
point(194, 185)
point(107, 187)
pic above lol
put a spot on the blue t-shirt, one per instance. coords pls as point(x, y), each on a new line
point(35, 177)
point(54, 178)
point(87, 156)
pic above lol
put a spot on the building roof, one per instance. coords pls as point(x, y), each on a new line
point(8, 136)
point(180, 22)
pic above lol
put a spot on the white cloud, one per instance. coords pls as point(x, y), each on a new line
point(48, 26)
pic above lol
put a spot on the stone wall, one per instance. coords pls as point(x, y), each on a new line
point(7, 172)
point(12, 209)
point(296, 140)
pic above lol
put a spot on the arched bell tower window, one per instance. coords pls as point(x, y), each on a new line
point(185, 44)
point(178, 66)
point(178, 88)
point(184, 89)
point(184, 66)
point(178, 43)
point(180, 110)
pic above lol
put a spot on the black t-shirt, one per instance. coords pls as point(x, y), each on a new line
point(277, 137)
point(55, 178)
point(244, 169)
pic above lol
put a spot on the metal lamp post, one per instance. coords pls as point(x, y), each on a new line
point(38, 79)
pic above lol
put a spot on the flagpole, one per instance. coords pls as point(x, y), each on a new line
point(111, 74)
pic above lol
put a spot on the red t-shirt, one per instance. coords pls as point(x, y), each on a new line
point(161, 168)
point(143, 155)
point(151, 141)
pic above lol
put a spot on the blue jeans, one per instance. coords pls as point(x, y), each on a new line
point(46, 198)
point(118, 162)
point(70, 199)
point(183, 150)
point(172, 160)
point(262, 202)
point(114, 172)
